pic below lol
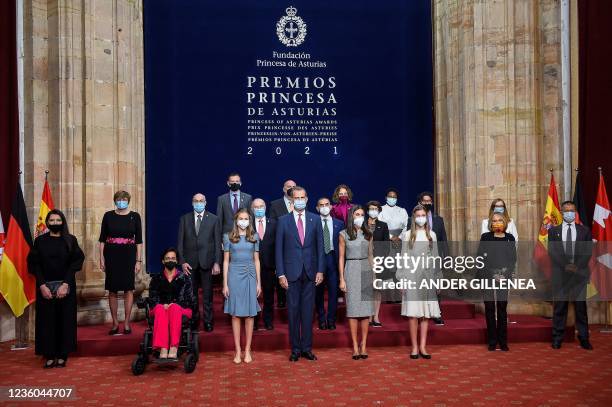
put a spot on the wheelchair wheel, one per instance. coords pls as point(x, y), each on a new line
point(138, 365)
point(195, 345)
point(190, 363)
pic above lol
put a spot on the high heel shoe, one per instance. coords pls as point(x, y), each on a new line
point(414, 356)
point(356, 356)
point(114, 331)
point(362, 354)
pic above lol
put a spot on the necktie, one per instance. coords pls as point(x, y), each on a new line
point(326, 241)
point(300, 226)
point(260, 229)
point(198, 224)
point(235, 204)
point(569, 247)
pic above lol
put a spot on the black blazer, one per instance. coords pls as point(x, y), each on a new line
point(267, 245)
point(380, 234)
point(225, 212)
point(440, 231)
point(278, 208)
point(203, 249)
point(582, 251)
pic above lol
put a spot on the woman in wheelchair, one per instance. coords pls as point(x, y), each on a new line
point(170, 297)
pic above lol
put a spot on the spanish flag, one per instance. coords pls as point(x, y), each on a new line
point(17, 285)
point(552, 217)
point(46, 204)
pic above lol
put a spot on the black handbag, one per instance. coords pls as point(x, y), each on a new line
point(53, 286)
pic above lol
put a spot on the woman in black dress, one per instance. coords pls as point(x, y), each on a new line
point(54, 259)
point(120, 256)
point(382, 246)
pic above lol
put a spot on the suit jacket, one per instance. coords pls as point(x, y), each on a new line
point(278, 208)
point(225, 212)
point(291, 257)
point(201, 250)
point(267, 244)
point(438, 227)
point(381, 235)
point(582, 251)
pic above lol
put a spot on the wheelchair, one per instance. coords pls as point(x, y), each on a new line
point(188, 345)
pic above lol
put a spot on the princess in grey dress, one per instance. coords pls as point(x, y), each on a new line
point(241, 279)
point(356, 277)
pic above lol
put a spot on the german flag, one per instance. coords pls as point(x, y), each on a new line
point(17, 285)
point(46, 204)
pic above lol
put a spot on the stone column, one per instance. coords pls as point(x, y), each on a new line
point(497, 106)
point(85, 120)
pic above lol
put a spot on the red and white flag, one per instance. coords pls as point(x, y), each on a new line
point(601, 263)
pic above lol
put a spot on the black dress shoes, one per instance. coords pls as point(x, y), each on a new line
point(309, 355)
point(425, 355)
point(585, 344)
point(294, 357)
point(438, 321)
point(414, 356)
point(492, 348)
point(504, 348)
point(331, 325)
point(556, 345)
point(269, 326)
point(208, 327)
point(322, 326)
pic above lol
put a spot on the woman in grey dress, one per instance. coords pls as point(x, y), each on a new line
point(241, 279)
point(356, 277)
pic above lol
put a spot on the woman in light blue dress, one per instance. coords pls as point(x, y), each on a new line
point(241, 280)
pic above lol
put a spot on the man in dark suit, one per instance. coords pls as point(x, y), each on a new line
point(229, 203)
point(437, 225)
point(331, 232)
point(570, 248)
point(282, 206)
point(278, 208)
point(266, 230)
point(199, 251)
point(300, 264)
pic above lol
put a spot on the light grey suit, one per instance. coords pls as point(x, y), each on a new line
point(201, 251)
point(225, 212)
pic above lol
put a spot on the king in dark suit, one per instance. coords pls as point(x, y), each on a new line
point(199, 252)
point(300, 263)
point(570, 248)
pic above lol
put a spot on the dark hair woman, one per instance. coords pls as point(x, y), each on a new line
point(54, 259)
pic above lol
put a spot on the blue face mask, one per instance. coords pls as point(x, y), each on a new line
point(499, 209)
point(199, 206)
point(569, 216)
point(121, 204)
point(260, 212)
point(299, 204)
point(391, 201)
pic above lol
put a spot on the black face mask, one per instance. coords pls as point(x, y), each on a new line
point(234, 186)
point(428, 207)
point(170, 265)
point(289, 192)
point(56, 228)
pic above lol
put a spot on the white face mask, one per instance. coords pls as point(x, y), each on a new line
point(243, 224)
point(324, 210)
point(358, 221)
point(373, 213)
point(420, 220)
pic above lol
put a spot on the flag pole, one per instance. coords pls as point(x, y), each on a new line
point(606, 329)
point(21, 340)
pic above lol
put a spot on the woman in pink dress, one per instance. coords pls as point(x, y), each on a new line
point(342, 198)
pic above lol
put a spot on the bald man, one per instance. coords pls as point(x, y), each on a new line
point(199, 252)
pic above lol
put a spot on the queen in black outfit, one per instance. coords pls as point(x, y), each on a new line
point(54, 259)
point(498, 249)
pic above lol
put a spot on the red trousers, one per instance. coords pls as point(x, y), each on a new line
point(167, 325)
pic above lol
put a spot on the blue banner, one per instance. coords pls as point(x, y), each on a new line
point(317, 91)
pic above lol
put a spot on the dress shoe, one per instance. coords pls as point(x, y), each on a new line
point(491, 348)
point(376, 324)
point(585, 344)
point(208, 327)
point(556, 345)
point(414, 356)
point(322, 326)
point(504, 348)
point(269, 326)
point(127, 331)
point(114, 331)
point(331, 325)
point(294, 357)
point(438, 321)
point(309, 355)
point(425, 355)
point(356, 356)
point(49, 363)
